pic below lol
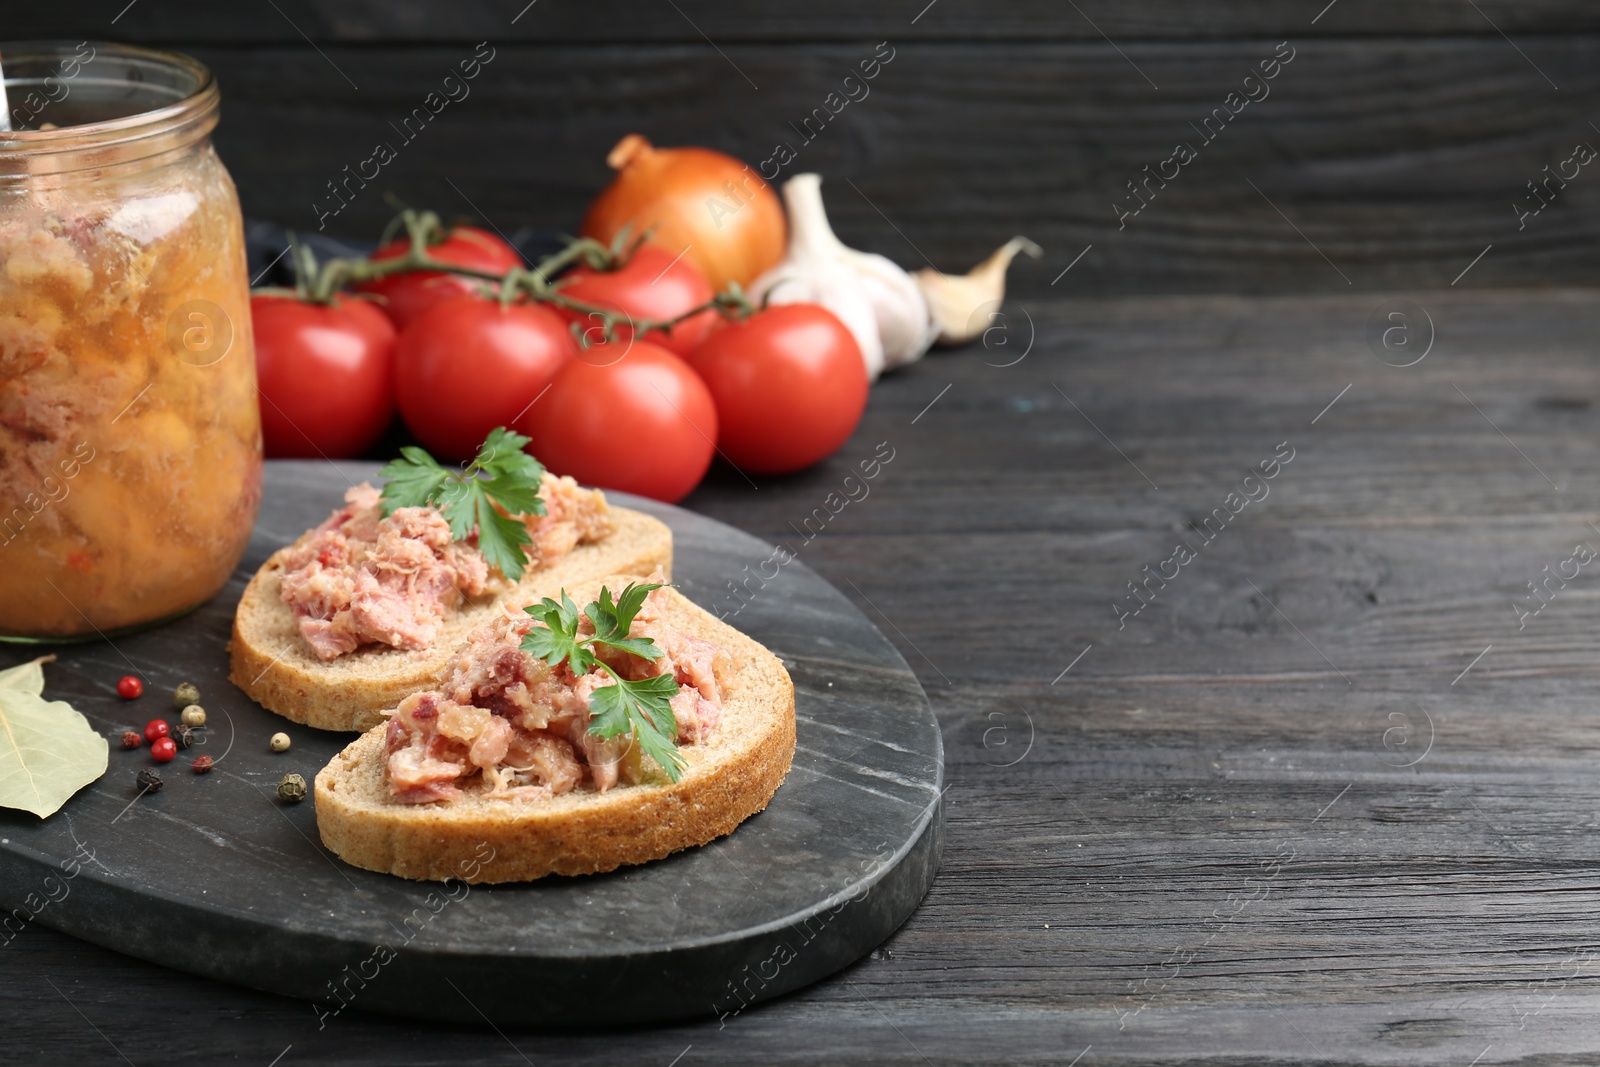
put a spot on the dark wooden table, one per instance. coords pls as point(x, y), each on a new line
point(1322, 800)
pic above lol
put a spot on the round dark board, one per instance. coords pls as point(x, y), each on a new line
point(215, 876)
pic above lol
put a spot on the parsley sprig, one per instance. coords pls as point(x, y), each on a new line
point(501, 473)
point(641, 707)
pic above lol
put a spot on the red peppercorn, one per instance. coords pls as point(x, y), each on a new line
point(163, 749)
point(203, 764)
point(131, 739)
point(156, 729)
point(129, 687)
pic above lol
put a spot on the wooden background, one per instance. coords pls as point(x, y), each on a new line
point(1323, 801)
point(1396, 141)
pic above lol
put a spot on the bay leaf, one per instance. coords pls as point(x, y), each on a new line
point(28, 678)
point(48, 750)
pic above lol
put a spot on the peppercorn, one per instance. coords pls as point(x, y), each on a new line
point(184, 736)
point(279, 742)
point(202, 764)
point(162, 749)
point(131, 739)
point(194, 715)
point(149, 781)
point(185, 695)
point(292, 789)
point(129, 688)
point(155, 729)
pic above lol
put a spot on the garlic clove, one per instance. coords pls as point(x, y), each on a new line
point(879, 302)
point(905, 321)
point(963, 304)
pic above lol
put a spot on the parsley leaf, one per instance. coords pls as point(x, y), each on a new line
point(642, 708)
point(414, 479)
point(645, 709)
point(512, 475)
point(501, 538)
point(612, 621)
point(501, 474)
point(557, 641)
point(608, 715)
point(458, 500)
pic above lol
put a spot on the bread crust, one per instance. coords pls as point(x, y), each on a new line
point(272, 663)
point(477, 839)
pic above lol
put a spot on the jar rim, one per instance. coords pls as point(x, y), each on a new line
point(119, 139)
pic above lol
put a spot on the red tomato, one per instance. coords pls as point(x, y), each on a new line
point(630, 418)
point(325, 374)
point(467, 365)
point(789, 384)
point(654, 284)
point(407, 296)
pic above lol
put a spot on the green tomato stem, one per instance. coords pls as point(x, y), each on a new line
point(322, 284)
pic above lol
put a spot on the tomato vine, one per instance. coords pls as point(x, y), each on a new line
point(322, 283)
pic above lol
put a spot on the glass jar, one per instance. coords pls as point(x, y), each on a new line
point(130, 439)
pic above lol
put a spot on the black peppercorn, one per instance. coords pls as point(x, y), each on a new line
point(184, 736)
point(292, 789)
point(149, 780)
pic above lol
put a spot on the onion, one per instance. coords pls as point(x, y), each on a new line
point(708, 206)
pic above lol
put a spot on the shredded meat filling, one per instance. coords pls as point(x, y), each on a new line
point(508, 718)
point(364, 578)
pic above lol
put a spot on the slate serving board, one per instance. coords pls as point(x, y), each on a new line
point(215, 876)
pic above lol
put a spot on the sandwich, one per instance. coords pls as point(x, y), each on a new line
point(556, 741)
point(367, 608)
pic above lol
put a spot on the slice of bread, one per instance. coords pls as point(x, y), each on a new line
point(729, 778)
point(275, 667)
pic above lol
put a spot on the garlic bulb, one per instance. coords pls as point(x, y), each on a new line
point(877, 301)
point(964, 304)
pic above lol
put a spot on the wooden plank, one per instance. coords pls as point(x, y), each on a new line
point(728, 21)
point(1234, 861)
point(1375, 164)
